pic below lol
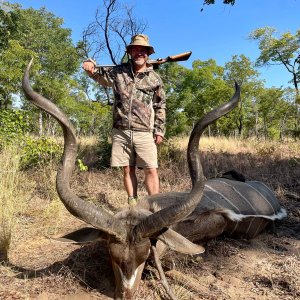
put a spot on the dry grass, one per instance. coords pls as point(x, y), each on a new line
point(279, 149)
point(14, 194)
point(275, 163)
point(264, 268)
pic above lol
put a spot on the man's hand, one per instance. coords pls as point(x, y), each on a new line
point(158, 139)
point(89, 67)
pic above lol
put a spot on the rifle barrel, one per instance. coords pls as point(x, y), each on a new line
point(179, 57)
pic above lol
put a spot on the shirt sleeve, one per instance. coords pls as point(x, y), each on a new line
point(104, 76)
point(159, 106)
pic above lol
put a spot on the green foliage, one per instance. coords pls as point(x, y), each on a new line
point(81, 166)
point(39, 34)
point(12, 65)
point(242, 70)
point(193, 93)
point(87, 116)
point(274, 112)
point(169, 154)
point(13, 125)
point(8, 29)
point(177, 124)
point(173, 77)
point(34, 151)
point(104, 153)
point(104, 144)
point(203, 90)
point(39, 152)
point(282, 49)
point(209, 2)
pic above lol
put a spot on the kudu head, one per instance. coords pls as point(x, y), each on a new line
point(131, 231)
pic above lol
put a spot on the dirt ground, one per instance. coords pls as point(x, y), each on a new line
point(267, 267)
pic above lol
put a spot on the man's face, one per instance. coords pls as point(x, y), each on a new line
point(139, 55)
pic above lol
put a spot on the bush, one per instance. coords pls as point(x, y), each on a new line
point(104, 145)
point(13, 125)
point(170, 154)
point(41, 151)
point(104, 153)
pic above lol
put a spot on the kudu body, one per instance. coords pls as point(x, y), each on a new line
point(209, 209)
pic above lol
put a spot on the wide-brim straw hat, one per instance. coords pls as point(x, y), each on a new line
point(141, 40)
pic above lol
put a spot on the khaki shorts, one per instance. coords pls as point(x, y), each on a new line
point(133, 148)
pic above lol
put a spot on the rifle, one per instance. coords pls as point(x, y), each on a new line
point(179, 57)
point(159, 61)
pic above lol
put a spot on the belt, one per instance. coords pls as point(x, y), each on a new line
point(133, 129)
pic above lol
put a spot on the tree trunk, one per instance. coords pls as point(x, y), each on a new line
point(265, 129)
point(41, 131)
point(282, 126)
point(256, 123)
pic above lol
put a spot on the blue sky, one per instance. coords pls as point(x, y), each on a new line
point(218, 32)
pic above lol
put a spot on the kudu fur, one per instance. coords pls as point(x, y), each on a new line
point(209, 209)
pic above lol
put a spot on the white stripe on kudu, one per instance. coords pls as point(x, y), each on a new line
point(242, 196)
point(219, 193)
point(257, 190)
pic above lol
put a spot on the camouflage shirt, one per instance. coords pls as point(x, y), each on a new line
point(140, 102)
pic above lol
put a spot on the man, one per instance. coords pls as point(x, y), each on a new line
point(138, 114)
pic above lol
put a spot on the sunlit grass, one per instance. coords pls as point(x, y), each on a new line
point(13, 195)
point(251, 145)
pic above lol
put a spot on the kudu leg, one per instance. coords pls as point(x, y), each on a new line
point(162, 274)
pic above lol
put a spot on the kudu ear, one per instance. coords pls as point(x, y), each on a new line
point(82, 236)
point(179, 243)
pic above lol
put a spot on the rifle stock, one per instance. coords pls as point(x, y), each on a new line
point(159, 61)
point(179, 57)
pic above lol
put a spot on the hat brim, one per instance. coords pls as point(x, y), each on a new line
point(150, 48)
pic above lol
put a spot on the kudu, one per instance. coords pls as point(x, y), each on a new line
point(172, 219)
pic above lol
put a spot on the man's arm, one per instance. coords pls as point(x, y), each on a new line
point(159, 106)
point(98, 74)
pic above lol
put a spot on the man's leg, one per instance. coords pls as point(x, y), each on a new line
point(151, 180)
point(130, 181)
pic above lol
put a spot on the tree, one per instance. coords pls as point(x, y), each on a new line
point(12, 64)
point(38, 34)
point(241, 69)
point(208, 2)
point(42, 32)
point(173, 76)
point(195, 92)
point(275, 113)
point(282, 50)
point(8, 28)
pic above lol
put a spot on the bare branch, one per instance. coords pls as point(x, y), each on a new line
point(111, 31)
point(110, 8)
